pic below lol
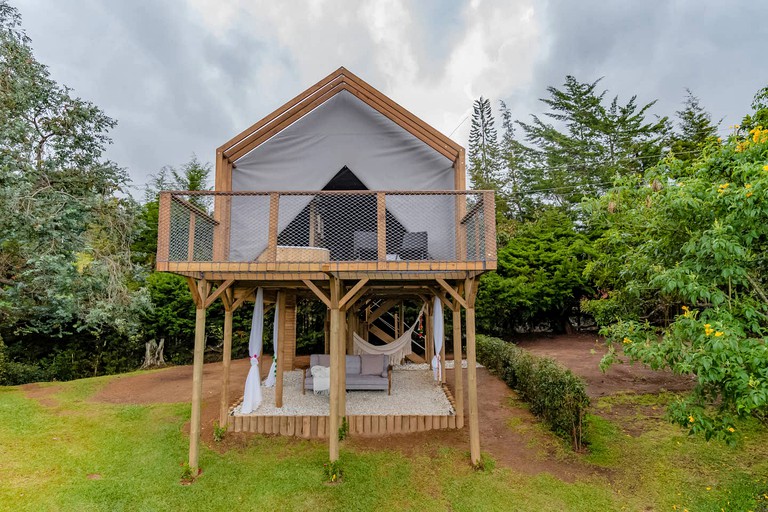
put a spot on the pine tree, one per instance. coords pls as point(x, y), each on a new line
point(517, 175)
point(590, 143)
point(696, 129)
point(483, 148)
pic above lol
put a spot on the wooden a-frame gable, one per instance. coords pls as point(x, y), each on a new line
point(338, 81)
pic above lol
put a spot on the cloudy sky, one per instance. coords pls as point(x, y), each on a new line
point(183, 76)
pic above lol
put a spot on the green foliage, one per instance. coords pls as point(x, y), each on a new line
point(539, 279)
point(343, 429)
point(333, 471)
point(219, 432)
point(554, 393)
point(682, 260)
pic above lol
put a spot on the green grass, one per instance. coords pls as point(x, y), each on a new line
point(47, 454)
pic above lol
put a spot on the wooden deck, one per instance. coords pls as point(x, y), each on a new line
point(318, 427)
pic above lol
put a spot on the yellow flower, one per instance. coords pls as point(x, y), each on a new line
point(719, 139)
point(685, 308)
point(709, 488)
point(718, 334)
point(749, 194)
point(731, 430)
point(747, 185)
point(765, 167)
point(690, 419)
point(627, 341)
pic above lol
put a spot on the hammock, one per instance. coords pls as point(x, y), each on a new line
point(396, 350)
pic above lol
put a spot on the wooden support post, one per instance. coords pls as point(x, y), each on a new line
point(474, 424)
point(191, 237)
point(164, 228)
point(458, 374)
point(279, 354)
point(274, 207)
point(442, 358)
point(197, 376)
point(226, 360)
point(343, 364)
point(381, 226)
point(428, 333)
point(489, 227)
point(327, 328)
point(335, 348)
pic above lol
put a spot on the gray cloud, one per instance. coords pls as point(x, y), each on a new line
point(183, 77)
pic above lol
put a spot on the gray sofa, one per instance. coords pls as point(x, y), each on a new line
point(356, 380)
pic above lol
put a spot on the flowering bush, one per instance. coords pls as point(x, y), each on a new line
point(685, 260)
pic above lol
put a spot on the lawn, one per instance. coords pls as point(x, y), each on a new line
point(70, 453)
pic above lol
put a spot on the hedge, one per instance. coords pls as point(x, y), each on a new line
point(554, 393)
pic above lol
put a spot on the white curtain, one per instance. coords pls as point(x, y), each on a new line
point(272, 375)
point(252, 393)
point(437, 329)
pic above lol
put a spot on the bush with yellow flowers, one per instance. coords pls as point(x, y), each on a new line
point(683, 262)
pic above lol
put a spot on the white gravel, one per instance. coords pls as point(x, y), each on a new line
point(413, 393)
point(427, 366)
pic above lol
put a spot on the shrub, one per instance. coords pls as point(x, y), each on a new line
point(554, 393)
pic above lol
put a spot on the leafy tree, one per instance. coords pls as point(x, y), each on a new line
point(696, 130)
point(539, 278)
point(689, 239)
point(590, 143)
point(66, 224)
point(483, 148)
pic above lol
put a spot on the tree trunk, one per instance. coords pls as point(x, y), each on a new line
point(153, 356)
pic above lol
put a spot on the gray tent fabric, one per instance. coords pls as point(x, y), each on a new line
point(344, 131)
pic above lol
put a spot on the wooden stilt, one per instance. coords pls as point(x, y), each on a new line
point(225, 364)
point(197, 376)
point(474, 425)
point(342, 364)
point(458, 373)
point(327, 333)
point(335, 348)
point(280, 309)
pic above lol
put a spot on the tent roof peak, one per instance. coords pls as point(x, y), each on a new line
point(340, 80)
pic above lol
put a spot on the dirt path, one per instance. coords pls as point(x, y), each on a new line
point(582, 353)
point(507, 430)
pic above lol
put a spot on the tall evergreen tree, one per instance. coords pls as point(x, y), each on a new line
point(483, 148)
point(590, 142)
point(696, 130)
point(516, 175)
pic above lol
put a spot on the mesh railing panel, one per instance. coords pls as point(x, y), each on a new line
point(328, 226)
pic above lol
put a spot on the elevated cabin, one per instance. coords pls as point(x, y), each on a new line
point(343, 195)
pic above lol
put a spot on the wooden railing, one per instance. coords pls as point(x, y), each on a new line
point(388, 227)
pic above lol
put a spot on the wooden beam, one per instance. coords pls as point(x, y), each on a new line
point(274, 211)
point(279, 112)
point(351, 293)
point(335, 348)
point(318, 292)
point(226, 360)
point(196, 298)
point(453, 293)
point(164, 227)
point(197, 378)
point(474, 424)
point(381, 226)
point(280, 308)
point(221, 289)
point(191, 237)
point(381, 310)
point(386, 338)
point(243, 298)
point(458, 373)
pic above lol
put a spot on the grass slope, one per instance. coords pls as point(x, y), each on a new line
point(47, 454)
